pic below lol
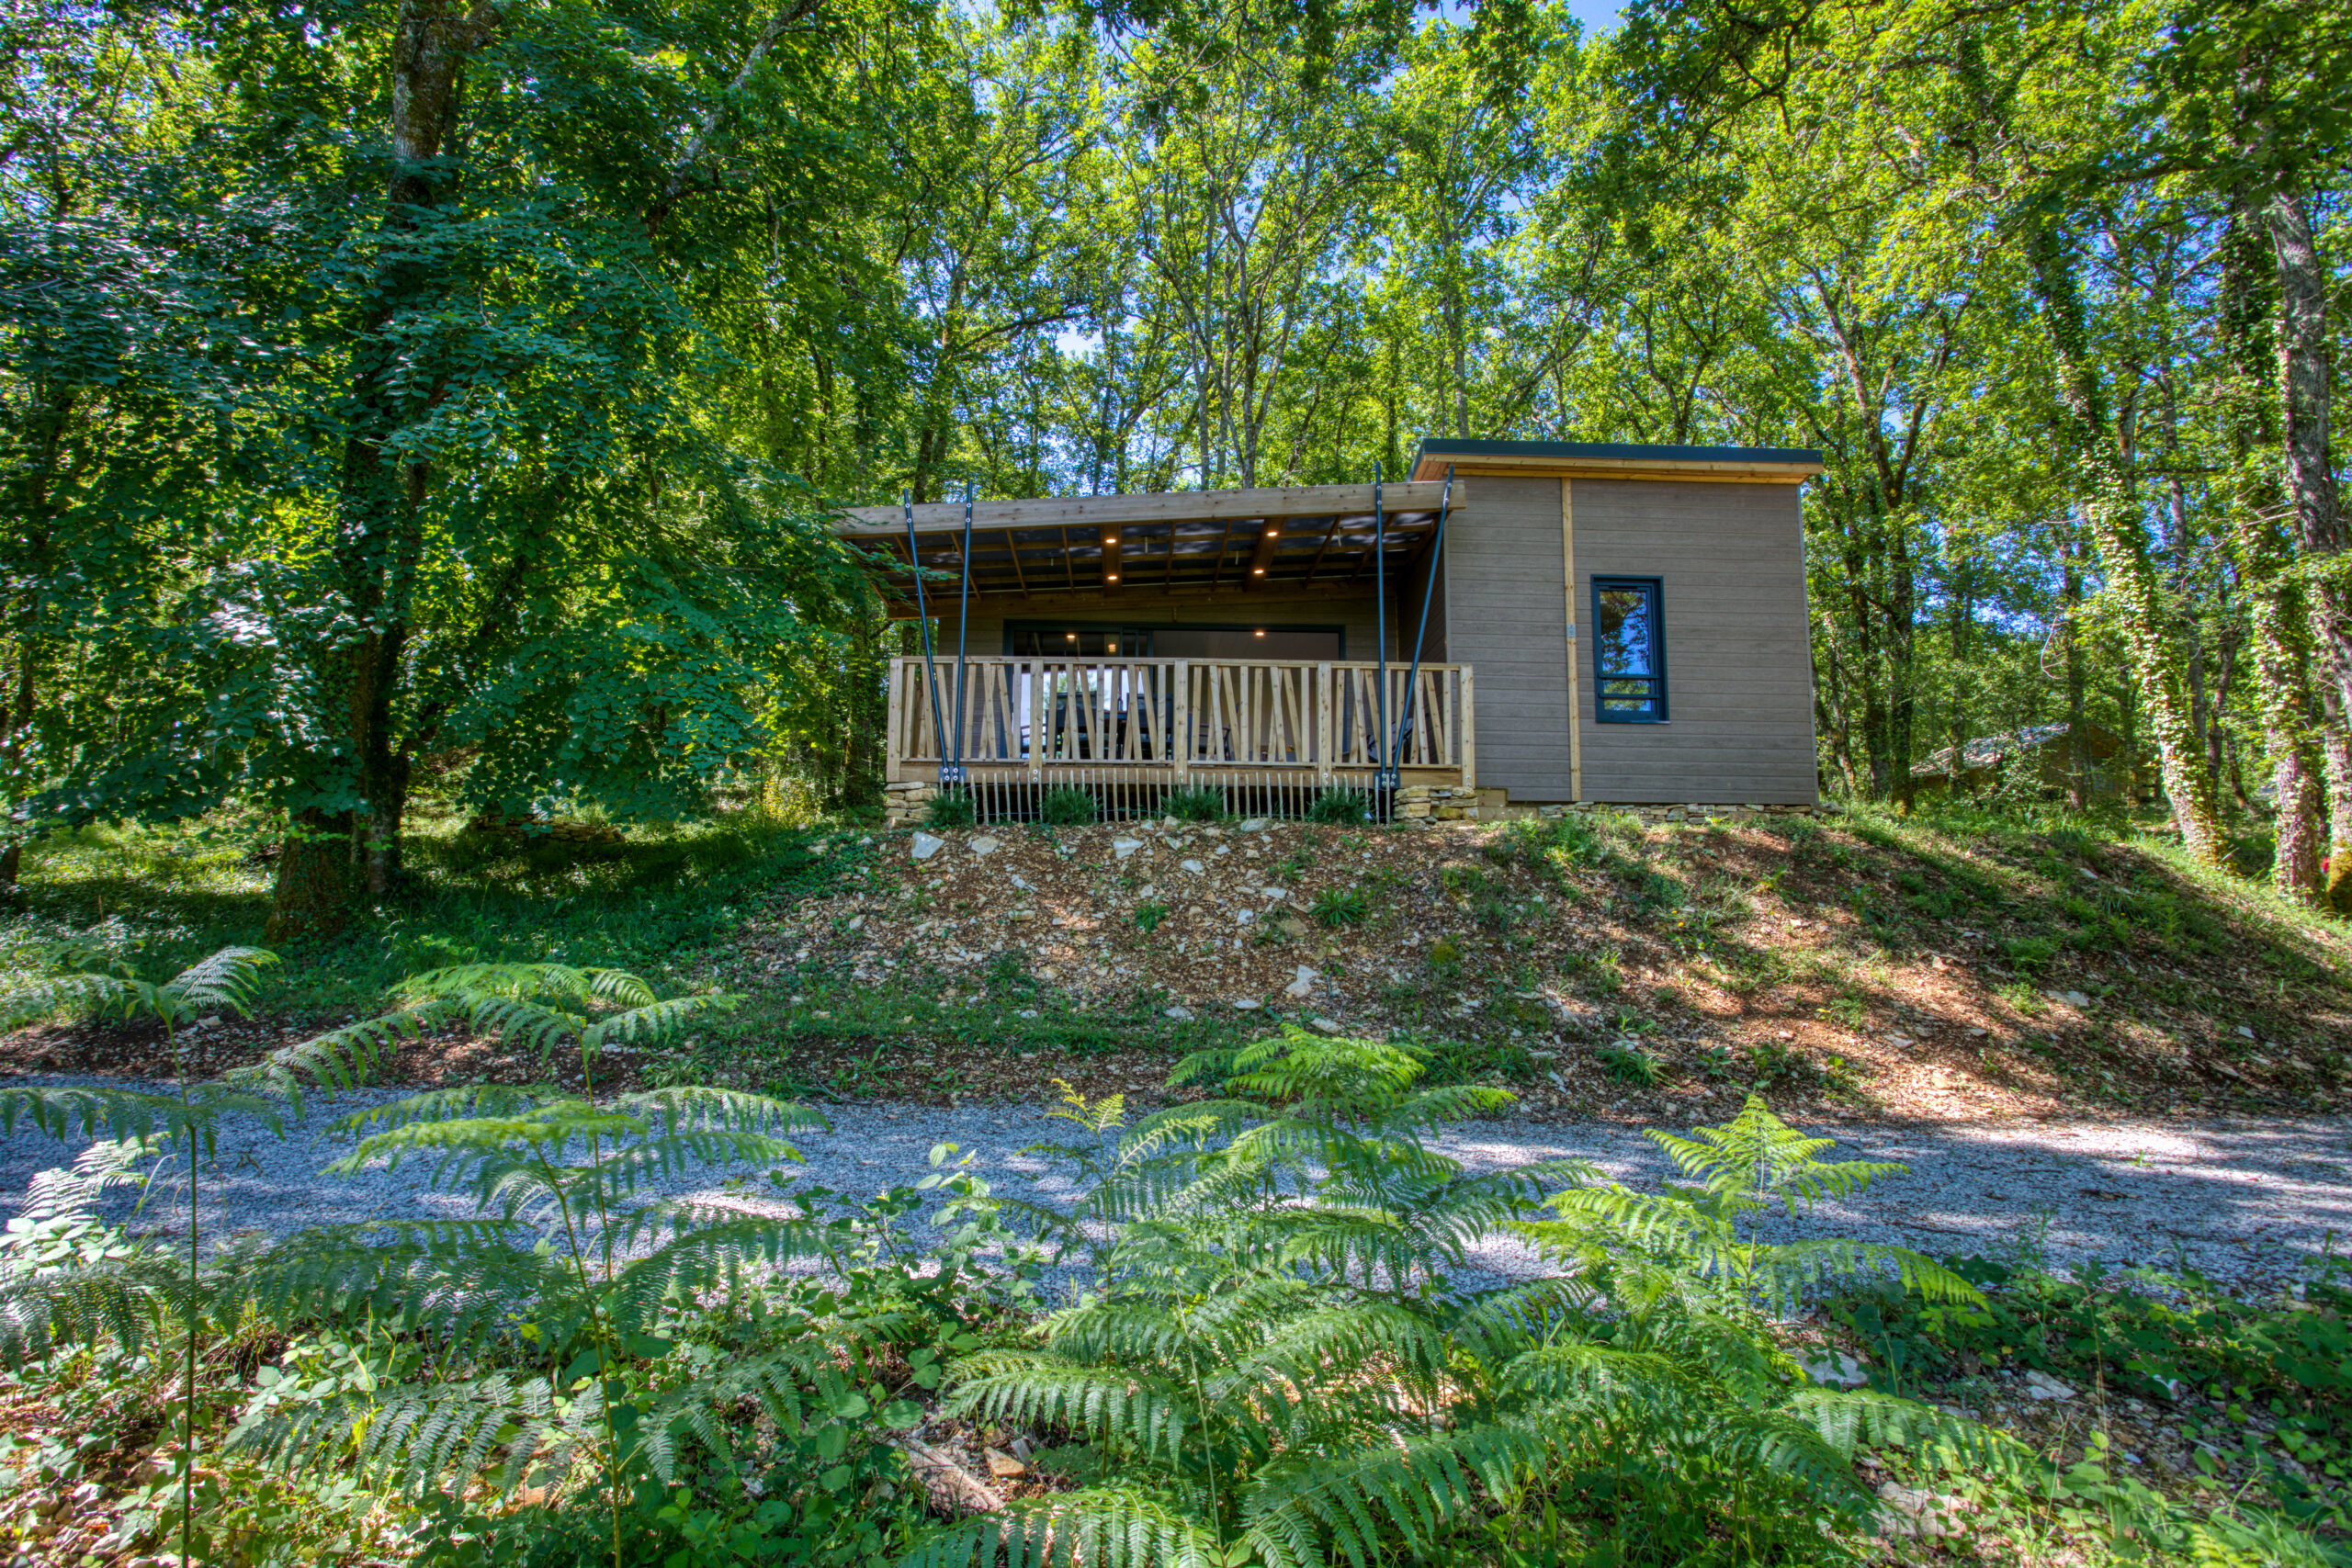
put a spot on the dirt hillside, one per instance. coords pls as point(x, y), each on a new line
point(1598, 964)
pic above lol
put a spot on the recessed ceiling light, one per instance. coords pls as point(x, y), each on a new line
point(1112, 577)
point(1258, 633)
point(1259, 569)
point(1072, 636)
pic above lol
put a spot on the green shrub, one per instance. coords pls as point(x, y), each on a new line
point(1196, 803)
point(1276, 1365)
point(1149, 916)
point(1337, 906)
point(948, 812)
point(1065, 807)
point(1629, 1064)
point(2029, 953)
point(1341, 807)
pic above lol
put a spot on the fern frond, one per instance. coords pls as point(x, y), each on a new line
point(703, 1256)
point(341, 1058)
point(1784, 1270)
point(1121, 1404)
point(1100, 1526)
point(465, 1278)
point(656, 1020)
point(441, 1105)
point(223, 982)
point(418, 1437)
point(719, 1109)
point(1851, 1420)
point(1654, 1221)
point(63, 1110)
point(66, 993)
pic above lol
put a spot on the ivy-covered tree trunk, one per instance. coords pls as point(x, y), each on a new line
point(2305, 359)
point(50, 407)
point(381, 493)
point(2276, 621)
point(2150, 636)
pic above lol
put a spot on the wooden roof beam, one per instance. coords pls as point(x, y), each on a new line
point(1269, 534)
point(1095, 510)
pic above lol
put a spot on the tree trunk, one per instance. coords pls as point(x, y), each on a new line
point(2311, 500)
point(45, 427)
point(2336, 752)
point(318, 880)
point(2150, 635)
point(2070, 591)
point(379, 505)
point(2303, 365)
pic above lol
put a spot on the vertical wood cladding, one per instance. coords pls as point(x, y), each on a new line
point(1504, 618)
point(1731, 558)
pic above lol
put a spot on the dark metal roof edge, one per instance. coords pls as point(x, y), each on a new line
point(1443, 447)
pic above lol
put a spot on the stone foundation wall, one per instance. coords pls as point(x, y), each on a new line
point(903, 805)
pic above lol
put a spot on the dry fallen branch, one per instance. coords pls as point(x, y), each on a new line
point(953, 1490)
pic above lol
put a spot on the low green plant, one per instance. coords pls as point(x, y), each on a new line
point(1630, 1064)
point(949, 810)
point(2029, 953)
point(2171, 1336)
point(1066, 806)
point(1340, 807)
point(1337, 906)
point(1149, 916)
point(1849, 1011)
point(1195, 802)
point(62, 1279)
point(1276, 1366)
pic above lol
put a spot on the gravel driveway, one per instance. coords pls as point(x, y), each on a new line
point(2246, 1200)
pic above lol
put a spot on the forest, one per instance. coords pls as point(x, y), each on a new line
point(451, 397)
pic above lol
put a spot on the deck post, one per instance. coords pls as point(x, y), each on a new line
point(1037, 720)
point(1179, 729)
point(1324, 766)
point(891, 769)
point(1469, 734)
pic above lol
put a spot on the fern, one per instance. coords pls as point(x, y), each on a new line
point(1278, 1367)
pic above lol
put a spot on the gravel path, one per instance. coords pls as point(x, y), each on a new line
point(2246, 1200)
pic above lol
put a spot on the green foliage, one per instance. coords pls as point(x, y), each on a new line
point(1066, 807)
point(1337, 906)
point(2179, 1338)
point(1275, 1366)
point(1629, 1064)
point(652, 903)
point(948, 811)
point(1341, 807)
point(1196, 803)
point(1704, 1230)
point(1149, 915)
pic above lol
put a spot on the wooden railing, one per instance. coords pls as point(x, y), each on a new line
point(1179, 715)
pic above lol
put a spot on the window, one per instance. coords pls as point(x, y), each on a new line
point(1629, 650)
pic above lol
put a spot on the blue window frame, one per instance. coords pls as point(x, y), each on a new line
point(1629, 650)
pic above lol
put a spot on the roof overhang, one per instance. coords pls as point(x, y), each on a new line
point(1611, 460)
point(1188, 545)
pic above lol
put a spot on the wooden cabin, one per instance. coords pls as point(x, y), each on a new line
point(1542, 621)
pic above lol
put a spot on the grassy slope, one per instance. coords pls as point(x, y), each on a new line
point(1960, 964)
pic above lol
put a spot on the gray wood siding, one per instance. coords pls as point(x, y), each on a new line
point(1505, 616)
point(1739, 659)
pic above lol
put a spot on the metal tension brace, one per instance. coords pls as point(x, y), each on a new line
point(953, 772)
point(1429, 586)
point(922, 618)
point(1386, 776)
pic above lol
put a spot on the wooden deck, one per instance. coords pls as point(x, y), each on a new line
point(1177, 721)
